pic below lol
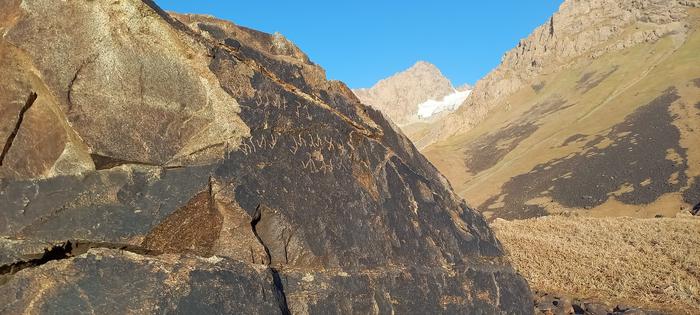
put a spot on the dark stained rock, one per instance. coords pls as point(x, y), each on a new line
point(202, 167)
point(107, 281)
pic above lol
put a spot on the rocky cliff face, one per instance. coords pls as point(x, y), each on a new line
point(580, 29)
point(159, 163)
point(398, 96)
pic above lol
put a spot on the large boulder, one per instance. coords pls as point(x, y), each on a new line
point(155, 163)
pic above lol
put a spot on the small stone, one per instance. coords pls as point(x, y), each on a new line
point(596, 309)
point(308, 277)
point(565, 306)
point(620, 308)
point(547, 303)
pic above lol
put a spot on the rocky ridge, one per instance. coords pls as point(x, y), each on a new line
point(187, 164)
point(580, 29)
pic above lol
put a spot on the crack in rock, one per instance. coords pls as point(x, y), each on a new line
point(253, 225)
point(20, 118)
point(67, 250)
point(57, 252)
point(104, 162)
point(279, 292)
point(279, 287)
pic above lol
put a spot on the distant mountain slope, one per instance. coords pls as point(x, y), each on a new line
point(597, 112)
point(579, 30)
point(422, 87)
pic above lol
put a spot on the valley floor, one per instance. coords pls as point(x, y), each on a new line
point(648, 263)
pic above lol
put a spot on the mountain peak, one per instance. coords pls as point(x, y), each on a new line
point(423, 65)
point(400, 95)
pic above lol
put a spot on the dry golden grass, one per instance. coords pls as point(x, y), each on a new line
point(652, 263)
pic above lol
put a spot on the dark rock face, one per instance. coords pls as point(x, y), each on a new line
point(211, 168)
point(103, 280)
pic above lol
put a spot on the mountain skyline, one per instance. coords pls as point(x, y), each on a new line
point(363, 42)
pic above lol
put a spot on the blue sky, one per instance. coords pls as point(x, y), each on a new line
point(362, 41)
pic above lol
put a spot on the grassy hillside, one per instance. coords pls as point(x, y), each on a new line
point(614, 135)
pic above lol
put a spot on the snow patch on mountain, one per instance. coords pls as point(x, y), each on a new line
point(450, 103)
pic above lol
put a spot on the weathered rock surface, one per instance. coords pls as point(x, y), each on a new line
point(398, 96)
point(175, 163)
point(110, 281)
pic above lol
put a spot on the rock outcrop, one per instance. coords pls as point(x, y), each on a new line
point(398, 96)
point(158, 163)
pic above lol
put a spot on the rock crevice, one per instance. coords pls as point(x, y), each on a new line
point(67, 250)
point(20, 117)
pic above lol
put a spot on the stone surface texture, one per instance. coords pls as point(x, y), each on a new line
point(160, 163)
